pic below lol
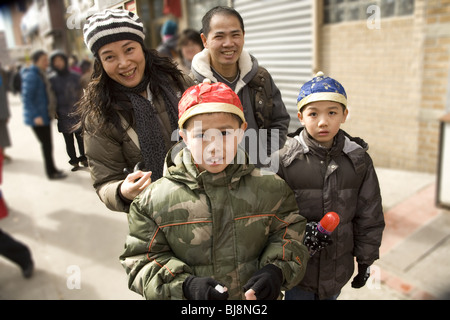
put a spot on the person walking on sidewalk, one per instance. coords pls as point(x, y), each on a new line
point(66, 85)
point(39, 108)
point(11, 248)
point(5, 140)
point(129, 109)
point(329, 170)
point(224, 60)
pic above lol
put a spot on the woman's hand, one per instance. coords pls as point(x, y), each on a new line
point(135, 183)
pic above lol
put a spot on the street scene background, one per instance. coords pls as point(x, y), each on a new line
point(393, 57)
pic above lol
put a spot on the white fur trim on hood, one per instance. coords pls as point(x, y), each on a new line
point(201, 64)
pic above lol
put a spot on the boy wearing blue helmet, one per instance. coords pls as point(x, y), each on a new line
point(329, 170)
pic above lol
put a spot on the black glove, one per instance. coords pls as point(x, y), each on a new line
point(363, 274)
point(315, 240)
point(202, 288)
point(266, 283)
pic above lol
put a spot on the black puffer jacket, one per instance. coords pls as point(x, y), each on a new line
point(341, 179)
point(67, 88)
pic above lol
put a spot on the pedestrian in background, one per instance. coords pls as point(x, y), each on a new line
point(16, 80)
point(66, 85)
point(5, 140)
point(189, 44)
point(10, 248)
point(73, 64)
point(214, 219)
point(39, 105)
point(169, 40)
point(329, 170)
point(129, 109)
point(86, 73)
point(225, 60)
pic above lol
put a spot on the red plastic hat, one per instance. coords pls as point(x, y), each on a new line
point(208, 97)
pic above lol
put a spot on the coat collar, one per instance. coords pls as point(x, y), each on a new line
point(300, 143)
point(201, 68)
point(179, 166)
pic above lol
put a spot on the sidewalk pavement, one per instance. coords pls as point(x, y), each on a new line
point(76, 241)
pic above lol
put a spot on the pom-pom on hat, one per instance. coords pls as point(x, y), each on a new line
point(208, 97)
point(112, 25)
point(321, 88)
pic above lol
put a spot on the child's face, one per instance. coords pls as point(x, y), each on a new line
point(322, 120)
point(213, 139)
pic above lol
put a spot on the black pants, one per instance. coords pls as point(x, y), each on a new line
point(70, 147)
point(14, 250)
point(44, 135)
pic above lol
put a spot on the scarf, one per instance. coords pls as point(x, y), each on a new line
point(148, 124)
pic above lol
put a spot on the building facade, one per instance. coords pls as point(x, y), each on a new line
point(393, 58)
point(395, 69)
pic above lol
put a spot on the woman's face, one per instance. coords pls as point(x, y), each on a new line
point(123, 61)
point(190, 49)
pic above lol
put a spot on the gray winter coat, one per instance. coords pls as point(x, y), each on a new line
point(343, 180)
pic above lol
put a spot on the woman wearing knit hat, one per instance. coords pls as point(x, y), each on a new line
point(214, 227)
point(331, 171)
point(129, 109)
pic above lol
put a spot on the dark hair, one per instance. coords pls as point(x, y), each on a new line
point(190, 35)
point(206, 20)
point(85, 65)
point(98, 104)
point(35, 56)
point(303, 108)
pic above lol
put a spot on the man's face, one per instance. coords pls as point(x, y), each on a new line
point(225, 41)
point(42, 62)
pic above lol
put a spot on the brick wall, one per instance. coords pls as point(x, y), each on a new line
point(396, 79)
point(435, 81)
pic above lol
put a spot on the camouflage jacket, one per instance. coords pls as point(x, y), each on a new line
point(342, 180)
point(225, 225)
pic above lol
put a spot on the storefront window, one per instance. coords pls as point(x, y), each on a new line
point(336, 11)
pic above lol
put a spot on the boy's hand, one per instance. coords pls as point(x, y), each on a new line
point(361, 278)
point(203, 288)
point(265, 284)
point(315, 240)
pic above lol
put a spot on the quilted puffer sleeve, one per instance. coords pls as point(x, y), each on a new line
point(152, 268)
point(368, 224)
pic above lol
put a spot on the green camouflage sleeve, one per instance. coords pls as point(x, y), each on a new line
point(152, 268)
point(285, 247)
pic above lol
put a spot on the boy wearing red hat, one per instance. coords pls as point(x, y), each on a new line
point(207, 230)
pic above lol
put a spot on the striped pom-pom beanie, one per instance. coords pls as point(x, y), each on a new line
point(112, 25)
